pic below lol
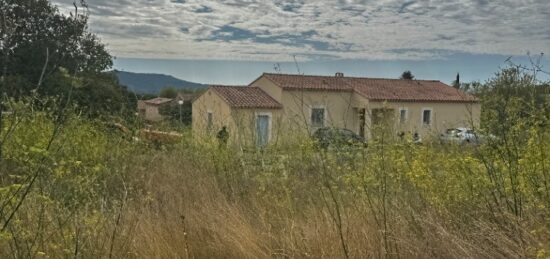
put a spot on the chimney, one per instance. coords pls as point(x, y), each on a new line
point(339, 74)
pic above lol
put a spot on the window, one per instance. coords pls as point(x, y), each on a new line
point(209, 121)
point(426, 117)
point(402, 115)
point(318, 117)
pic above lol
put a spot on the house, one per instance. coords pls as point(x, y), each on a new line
point(278, 106)
point(149, 109)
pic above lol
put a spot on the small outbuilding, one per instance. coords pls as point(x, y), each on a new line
point(150, 109)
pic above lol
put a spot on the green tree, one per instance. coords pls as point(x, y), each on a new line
point(37, 40)
point(472, 87)
point(169, 92)
point(407, 75)
point(176, 112)
point(512, 101)
point(53, 54)
point(97, 94)
point(456, 83)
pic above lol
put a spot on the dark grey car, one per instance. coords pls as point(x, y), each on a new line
point(336, 137)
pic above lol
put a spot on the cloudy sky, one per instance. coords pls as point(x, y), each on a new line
point(233, 40)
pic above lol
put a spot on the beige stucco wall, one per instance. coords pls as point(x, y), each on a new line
point(152, 113)
point(269, 87)
point(342, 111)
point(149, 112)
point(210, 101)
point(240, 123)
point(297, 105)
point(243, 129)
point(294, 118)
point(444, 116)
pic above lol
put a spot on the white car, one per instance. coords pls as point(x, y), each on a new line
point(461, 136)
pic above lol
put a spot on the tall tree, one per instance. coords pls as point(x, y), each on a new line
point(511, 99)
point(456, 83)
point(407, 75)
point(36, 40)
point(52, 53)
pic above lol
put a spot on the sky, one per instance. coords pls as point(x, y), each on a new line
point(234, 41)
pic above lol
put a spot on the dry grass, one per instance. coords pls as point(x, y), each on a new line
point(187, 215)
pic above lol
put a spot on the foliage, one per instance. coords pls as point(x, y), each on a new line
point(168, 92)
point(178, 113)
point(145, 96)
point(55, 166)
point(46, 52)
point(513, 101)
point(35, 33)
point(456, 82)
point(407, 75)
point(472, 87)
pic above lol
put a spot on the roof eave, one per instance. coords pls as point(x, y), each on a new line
point(421, 100)
point(242, 107)
point(257, 107)
point(317, 89)
point(266, 77)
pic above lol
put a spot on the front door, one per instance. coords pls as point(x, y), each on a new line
point(262, 130)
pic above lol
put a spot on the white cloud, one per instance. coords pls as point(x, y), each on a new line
point(264, 30)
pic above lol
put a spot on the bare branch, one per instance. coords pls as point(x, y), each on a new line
point(43, 70)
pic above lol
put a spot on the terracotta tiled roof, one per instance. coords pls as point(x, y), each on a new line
point(158, 101)
point(307, 82)
point(246, 97)
point(376, 89)
point(409, 90)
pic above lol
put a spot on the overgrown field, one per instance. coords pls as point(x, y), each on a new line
point(72, 187)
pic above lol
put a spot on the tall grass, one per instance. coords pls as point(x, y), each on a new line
point(102, 195)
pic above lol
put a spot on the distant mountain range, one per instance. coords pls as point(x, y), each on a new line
point(152, 83)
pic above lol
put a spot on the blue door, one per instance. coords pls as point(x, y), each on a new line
point(262, 130)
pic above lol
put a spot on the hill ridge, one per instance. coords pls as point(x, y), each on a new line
point(152, 83)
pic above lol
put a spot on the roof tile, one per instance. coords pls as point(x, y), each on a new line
point(158, 101)
point(290, 82)
point(246, 97)
point(376, 89)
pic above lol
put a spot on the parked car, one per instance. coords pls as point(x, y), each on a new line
point(462, 136)
point(337, 137)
